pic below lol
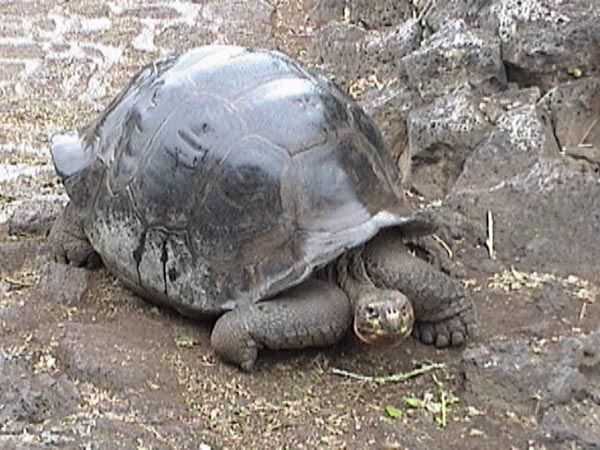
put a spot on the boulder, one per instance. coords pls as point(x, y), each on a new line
point(565, 380)
point(28, 398)
point(455, 54)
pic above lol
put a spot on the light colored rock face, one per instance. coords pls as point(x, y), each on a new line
point(496, 105)
point(454, 54)
point(544, 42)
point(537, 172)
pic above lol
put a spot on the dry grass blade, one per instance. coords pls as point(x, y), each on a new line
point(445, 246)
point(587, 133)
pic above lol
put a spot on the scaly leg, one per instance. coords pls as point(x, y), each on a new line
point(314, 314)
point(444, 311)
point(68, 244)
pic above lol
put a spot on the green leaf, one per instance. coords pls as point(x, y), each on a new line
point(393, 412)
point(413, 402)
point(575, 72)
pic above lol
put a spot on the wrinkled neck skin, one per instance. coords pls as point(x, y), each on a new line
point(348, 272)
point(380, 312)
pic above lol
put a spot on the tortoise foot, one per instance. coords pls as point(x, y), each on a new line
point(451, 332)
point(68, 245)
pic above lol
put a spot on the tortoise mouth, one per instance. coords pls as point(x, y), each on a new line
point(380, 335)
point(383, 320)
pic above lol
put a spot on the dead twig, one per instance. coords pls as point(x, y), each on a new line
point(489, 242)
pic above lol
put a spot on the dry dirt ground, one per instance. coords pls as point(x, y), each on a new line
point(84, 364)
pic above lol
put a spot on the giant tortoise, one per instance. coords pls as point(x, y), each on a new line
point(235, 183)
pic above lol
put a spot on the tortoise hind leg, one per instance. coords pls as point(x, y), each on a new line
point(314, 314)
point(68, 244)
point(444, 311)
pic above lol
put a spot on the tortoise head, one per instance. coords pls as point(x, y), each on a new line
point(383, 315)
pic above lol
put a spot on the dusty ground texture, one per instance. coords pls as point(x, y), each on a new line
point(492, 107)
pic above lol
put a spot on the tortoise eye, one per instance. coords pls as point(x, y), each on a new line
point(372, 312)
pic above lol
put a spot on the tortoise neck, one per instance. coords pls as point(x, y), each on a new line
point(349, 273)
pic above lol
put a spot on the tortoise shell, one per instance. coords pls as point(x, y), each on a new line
point(226, 175)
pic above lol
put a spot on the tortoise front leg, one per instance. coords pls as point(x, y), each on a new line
point(444, 310)
point(68, 243)
point(314, 314)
